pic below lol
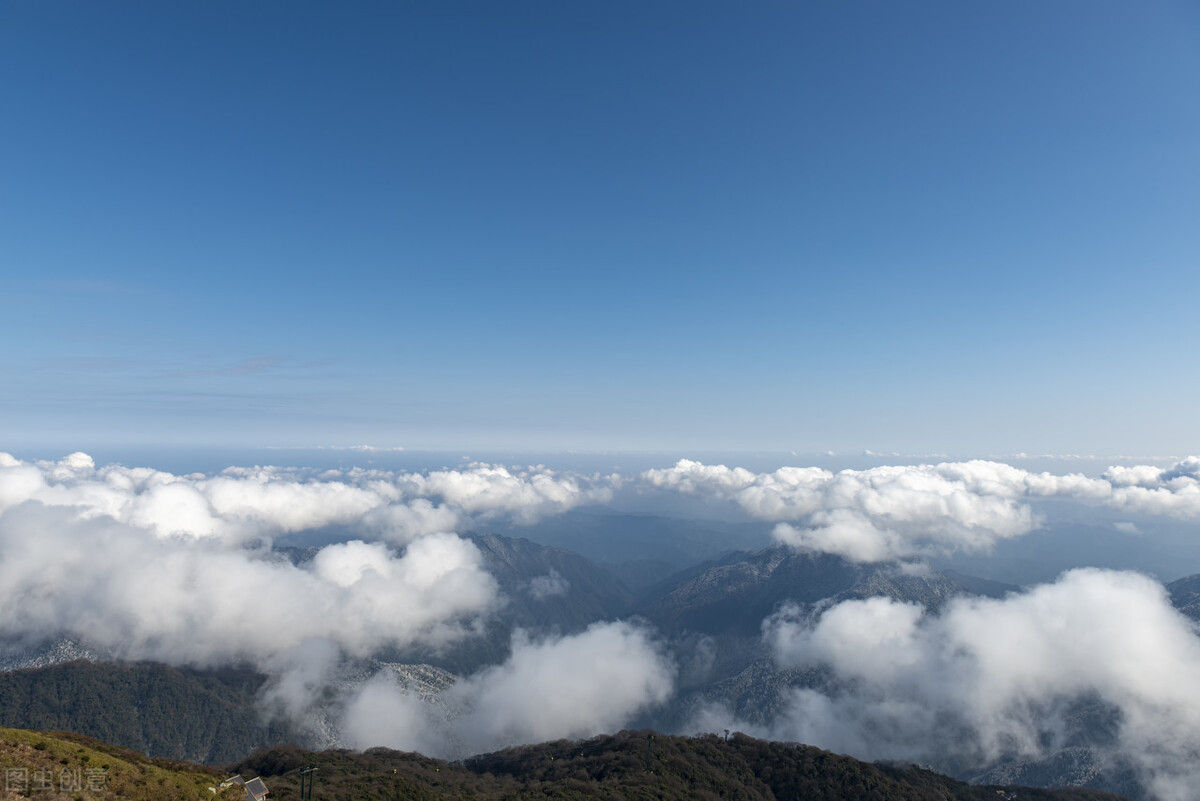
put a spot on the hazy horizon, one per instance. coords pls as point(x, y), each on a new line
point(934, 228)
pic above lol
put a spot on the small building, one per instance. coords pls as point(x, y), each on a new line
point(255, 789)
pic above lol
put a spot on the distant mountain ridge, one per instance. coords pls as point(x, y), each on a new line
point(612, 538)
point(738, 592)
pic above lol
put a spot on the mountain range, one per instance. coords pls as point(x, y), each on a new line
point(710, 616)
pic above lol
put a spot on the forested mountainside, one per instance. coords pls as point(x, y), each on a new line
point(178, 713)
point(56, 766)
point(628, 765)
point(1185, 595)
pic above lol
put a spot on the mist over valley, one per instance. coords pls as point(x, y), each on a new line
point(813, 606)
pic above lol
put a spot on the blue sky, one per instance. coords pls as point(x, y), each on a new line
point(926, 227)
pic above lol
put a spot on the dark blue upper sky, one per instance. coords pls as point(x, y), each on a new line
point(927, 227)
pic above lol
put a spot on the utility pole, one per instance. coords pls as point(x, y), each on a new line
point(307, 770)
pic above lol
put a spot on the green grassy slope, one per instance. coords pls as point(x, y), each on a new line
point(60, 766)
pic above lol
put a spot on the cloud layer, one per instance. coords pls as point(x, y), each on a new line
point(149, 564)
point(144, 564)
point(899, 511)
point(244, 504)
point(129, 591)
point(987, 679)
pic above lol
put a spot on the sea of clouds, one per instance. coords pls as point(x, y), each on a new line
point(145, 564)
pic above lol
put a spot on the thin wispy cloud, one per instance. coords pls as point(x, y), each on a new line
point(251, 366)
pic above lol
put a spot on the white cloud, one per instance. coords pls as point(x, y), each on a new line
point(549, 585)
point(486, 490)
point(875, 514)
point(992, 678)
point(569, 687)
point(401, 522)
point(697, 478)
point(298, 678)
point(146, 564)
point(275, 504)
point(244, 504)
point(1172, 492)
point(560, 687)
point(380, 713)
point(897, 511)
point(183, 600)
point(150, 564)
